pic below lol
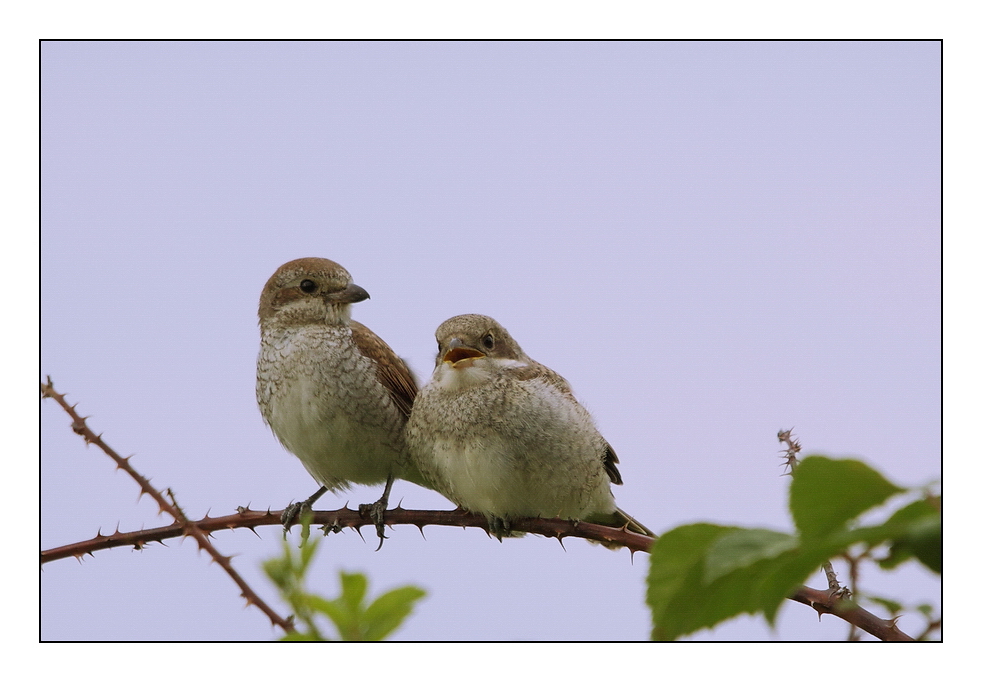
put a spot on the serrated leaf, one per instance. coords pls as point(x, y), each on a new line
point(779, 578)
point(742, 548)
point(828, 493)
point(922, 541)
point(676, 593)
point(388, 612)
point(794, 567)
point(918, 535)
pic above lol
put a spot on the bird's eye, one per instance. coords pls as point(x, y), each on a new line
point(488, 341)
point(308, 286)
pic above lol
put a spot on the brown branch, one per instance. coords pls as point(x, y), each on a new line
point(831, 601)
point(339, 519)
point(183, 525)
point(837, 599)
point(823, 601)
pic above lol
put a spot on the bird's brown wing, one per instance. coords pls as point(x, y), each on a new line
point(610, 465)
point(390, 369)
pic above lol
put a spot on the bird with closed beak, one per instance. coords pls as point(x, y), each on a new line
point(334, 393)
point(502, 435)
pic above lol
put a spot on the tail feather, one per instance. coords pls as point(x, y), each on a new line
point(633, 524)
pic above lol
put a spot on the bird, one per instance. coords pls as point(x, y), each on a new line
point(502, 435)
point(333, 392)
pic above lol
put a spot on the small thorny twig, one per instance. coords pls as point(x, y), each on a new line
point(838, 599)
point(790, 454)
point(182, 524)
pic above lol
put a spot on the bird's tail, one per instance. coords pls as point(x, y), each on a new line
point(632, 524)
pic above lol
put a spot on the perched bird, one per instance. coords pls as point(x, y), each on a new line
point(502, 435)
point(333, 392)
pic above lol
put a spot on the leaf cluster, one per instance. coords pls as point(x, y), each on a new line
point(703, 574)
point(352, 617)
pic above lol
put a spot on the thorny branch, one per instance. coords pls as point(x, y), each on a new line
point(835, 600)
point(339, 519)
point(828, 601)
point(182, 524)
point(791, 461)
point(336, 521)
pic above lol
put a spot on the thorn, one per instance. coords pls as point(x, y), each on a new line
point(358, 530)
point(559, 537)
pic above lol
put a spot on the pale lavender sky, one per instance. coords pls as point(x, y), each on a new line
point(710, 241)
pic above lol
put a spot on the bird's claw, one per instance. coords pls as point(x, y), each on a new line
point(376, 512)
point(498, 527)
point(295, 511)
point(294, 514)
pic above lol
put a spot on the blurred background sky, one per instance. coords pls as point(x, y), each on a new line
point(710, 241)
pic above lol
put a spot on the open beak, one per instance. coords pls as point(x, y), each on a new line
point(459, 355)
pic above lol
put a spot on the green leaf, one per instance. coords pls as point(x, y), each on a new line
point(308, 548)
point(828, 493)
point(892, 606)
point(388, 612)
point(922, 541)
point(702, 574)
point(342, 617)
point(675, 581)
point(920, 537)
point(353, 588)
point(742, 548)
point(278, 570)
point(297, 636)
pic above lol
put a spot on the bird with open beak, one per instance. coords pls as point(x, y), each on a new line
point(502, 435)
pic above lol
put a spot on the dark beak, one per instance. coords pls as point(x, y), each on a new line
point(350, 294)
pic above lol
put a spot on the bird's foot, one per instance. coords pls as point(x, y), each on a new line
point(294, 514)
point(376, 512)
point(295, 511)
point(498, 527)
